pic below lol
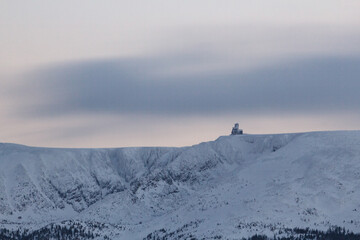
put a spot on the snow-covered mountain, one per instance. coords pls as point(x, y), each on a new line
point(230, 188)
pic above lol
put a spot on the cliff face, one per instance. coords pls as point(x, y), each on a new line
point(234, 186)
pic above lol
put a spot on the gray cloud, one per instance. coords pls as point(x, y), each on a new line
point(123, 86)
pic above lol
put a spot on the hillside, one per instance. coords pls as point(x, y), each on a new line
point(233, 187)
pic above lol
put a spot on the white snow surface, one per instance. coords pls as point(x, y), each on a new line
point(232, 187)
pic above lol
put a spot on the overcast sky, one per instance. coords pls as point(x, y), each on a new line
point(173, 73)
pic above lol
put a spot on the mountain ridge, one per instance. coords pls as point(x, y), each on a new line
point(277, 180)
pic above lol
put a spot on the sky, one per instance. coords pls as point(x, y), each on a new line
point(175, 73)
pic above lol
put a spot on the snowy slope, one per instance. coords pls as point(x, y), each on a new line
point(232, 187)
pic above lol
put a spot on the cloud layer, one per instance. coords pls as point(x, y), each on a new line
point(136, 86)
